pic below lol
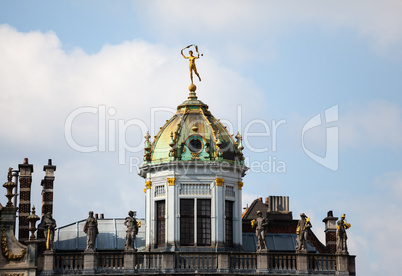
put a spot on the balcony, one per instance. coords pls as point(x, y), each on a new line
point(120, 262)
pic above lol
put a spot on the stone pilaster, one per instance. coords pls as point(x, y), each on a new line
point(26, 171)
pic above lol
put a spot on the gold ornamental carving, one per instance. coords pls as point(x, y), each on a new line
point(6, 252)
point(148, 184)
point(240, 185)
point(219, 181)
point(171, 181)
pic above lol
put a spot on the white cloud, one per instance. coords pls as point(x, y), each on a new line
point(41, 85)
point(244, 21)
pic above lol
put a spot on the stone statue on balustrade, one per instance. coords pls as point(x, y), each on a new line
point(302, 230)
point(49, 225)
point(341, 237)
point(91, 229)
point(260, 224)
point(132, 230)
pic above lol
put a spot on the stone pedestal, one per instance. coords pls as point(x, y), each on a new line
point(168, 262)
point(262, 262)
point(89, 262)
point(223, 263)
point(130, 259)
point(342, 264)
point(48, 264)
point(32, 257)
point(302, 263)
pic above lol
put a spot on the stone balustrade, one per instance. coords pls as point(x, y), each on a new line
point(123, 262)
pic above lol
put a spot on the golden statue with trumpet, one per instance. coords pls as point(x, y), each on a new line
point(341, 237)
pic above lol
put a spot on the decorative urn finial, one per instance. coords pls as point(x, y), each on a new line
point(32, 219)
point(9, 185)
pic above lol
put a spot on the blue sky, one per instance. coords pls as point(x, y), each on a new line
point(273, 60)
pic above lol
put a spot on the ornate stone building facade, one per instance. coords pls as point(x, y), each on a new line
point(193, 172)
point(193, 175)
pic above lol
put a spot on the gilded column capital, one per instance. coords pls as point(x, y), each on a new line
point(240, 185)
point(171, 181)
point(219, 181)
point(148, 184)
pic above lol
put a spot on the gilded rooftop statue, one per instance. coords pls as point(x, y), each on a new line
point(192, 59)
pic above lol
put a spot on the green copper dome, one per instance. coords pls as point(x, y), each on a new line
point(193, 134)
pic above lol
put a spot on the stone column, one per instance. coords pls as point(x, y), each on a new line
point(89, 262)
point(26, 171)
point(239, 222)
point(330, 232)
point(302, 263)
point(219, 213)
point(130, 260)
point(170, 219)
point(149, 206)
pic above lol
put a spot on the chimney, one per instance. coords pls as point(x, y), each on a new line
point(47, 188)
point(278, 203)
point(96, 216)
point(260, 199)
point(26, 171)
point(47, 200)
point(266, 200)
point(330, 232)
point(102, 216)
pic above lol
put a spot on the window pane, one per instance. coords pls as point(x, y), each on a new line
point(203, 222)
point(186, 221)
point(160, 223)
point(229, 222)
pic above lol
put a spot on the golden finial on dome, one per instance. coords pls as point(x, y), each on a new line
point(194, 128)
